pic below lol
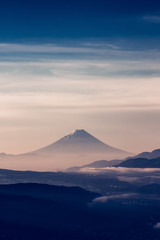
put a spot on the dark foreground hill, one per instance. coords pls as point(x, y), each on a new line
point(101, 183)
point(153, 189)
point(29, 212)
point(49, 192)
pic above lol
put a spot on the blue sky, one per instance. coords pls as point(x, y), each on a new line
point(41, 20)
point(89, 64)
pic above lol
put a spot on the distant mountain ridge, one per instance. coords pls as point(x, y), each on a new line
point(150, 155)
point(140, 163)
point(142, 160)
point(96, 164)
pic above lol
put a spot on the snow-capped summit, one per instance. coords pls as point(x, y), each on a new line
point(78, 136)
point(78, 133)
point(78, 142)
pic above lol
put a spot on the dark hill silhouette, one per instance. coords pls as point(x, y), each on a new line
point(50, 192)
point(26, 217)
point(140, 163)
point(96, 164)
point(153, 188)
point(150, 155)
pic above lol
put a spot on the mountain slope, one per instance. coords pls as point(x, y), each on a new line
point(140, 163)
point(50, 192)
point(150, 155)
point(79, 141)
point(96, 164)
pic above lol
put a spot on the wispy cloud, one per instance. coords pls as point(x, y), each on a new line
point(80, 50)
point(118, 196)
point(157, 226)
point(45, 48)
point(121, 170)
point(154, 19)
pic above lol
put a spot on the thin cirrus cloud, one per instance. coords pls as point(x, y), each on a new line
point(114, 81)
point(104, 75)
point(154, 19)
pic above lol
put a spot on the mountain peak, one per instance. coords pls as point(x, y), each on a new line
point(77, 136)
point(77, 141)
point(80, 141)
point(79, 132)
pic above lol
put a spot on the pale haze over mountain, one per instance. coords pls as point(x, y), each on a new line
point(77, 148)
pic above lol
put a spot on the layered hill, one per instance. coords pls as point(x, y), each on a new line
point(150, 155)
point(96, 165)
point(143, 160)
point(140, 163)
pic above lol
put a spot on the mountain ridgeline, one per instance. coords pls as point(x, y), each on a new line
point(140, 163)
point(143, 160)
point(150, 155)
